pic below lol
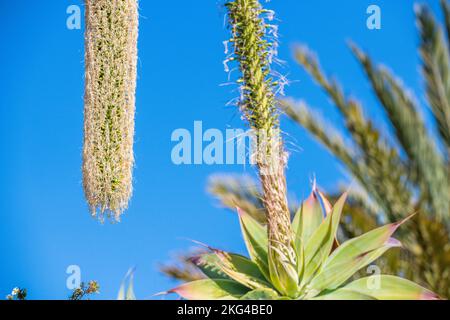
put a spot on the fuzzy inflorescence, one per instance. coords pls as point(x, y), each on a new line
point(109, 104)
point(253, 46)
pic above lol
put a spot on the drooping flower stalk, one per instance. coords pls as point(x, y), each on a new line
point(253, 46)
point(109, 104)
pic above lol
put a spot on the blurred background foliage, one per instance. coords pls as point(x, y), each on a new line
point(403, 170)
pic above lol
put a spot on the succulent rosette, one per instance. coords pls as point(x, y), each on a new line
point(325, 271)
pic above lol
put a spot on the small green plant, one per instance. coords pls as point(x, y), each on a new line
point(84, 291)
point(17, 294)
point(324, 265)
point(126, 291)
point(109, 104)
point(80, 293)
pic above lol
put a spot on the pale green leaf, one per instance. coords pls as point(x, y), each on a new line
point(343, 295)
point(255, 237)
point(241, 269)
point(127, 293)
point(320, 244)
point(208, 264)
point(130, 291)
point(308, 219)
point(261, 294)
point(283, 273)
point(211, 289)
point(331, 277)
point(384, 287)
point(367, 242)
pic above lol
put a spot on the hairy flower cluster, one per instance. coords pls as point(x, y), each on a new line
point(109, 104)
point(254, 46)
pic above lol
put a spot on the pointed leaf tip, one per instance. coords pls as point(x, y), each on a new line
point(430, 296)
point(393, 243)
point(386, 287)
point(194, 260)
point(241, 212)
point(326, 204)
point(412, 215)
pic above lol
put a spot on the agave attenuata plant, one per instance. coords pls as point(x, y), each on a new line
point(325, 267)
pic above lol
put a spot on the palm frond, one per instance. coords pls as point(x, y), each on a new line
point(436, 66)
point(238, 192)
point(376, 155)
point(446, 9)
point(182, 268)
point(330, 137)
point(411, 133)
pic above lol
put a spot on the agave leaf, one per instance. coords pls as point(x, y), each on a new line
point(255, 237)
point(208, 263)
point(211, 289)
point(298, 243)
point(261, 294)
point(354, 255)
point(300, 260)
point(326, 204)
point(297, 226)
point(130, 291)
point(241, 269)
point(283, 274)
point(369, 241)
point(384, 287)
point(121, 294)
point(129, 294)
point(328, 208)
point(308, 219)
point(332, 276)
point(320, 244)
point(343, 295)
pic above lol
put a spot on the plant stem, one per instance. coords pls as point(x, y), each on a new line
point(254, 43)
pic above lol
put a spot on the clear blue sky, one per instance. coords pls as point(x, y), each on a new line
point(45, 224)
